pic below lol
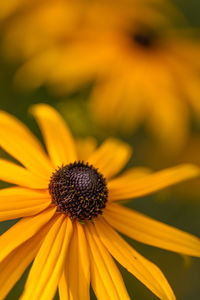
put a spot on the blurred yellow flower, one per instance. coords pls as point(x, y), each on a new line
point(61, 201)
point(144, 71)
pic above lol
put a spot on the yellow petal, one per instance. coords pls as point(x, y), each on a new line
point(12, 173)
point(76, 281)
point(58, 139)
point(151, 232)
point(18, 141)
point(121, 189)
point(47, 268)
point(145, 271)
point(85, 147)
point(110, 157)
point(14, 265)
point(63, 288)
point(103, 268)
point(18, 202)
point(22, 231)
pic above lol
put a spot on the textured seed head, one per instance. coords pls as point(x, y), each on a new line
point(79, 191)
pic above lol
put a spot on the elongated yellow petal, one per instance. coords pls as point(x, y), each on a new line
point(15, 174)
point(18, 202)
point(22, 231)
point(63, 288)
point(151, 232)
point(77, 269)
point(103, 264)
point(120, 189)
point(110, 157)
point(19, 142)
point(48, 266)
point(58, 139)
point(14, 265)
point(141, 268)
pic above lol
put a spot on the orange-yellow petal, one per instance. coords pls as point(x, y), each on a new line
point(76, 276)
point(58, 139)
point(111, 157)
point(14, 265)
point(12, 173)
point(48, 266)
point(104, 268)
point(119, 189)
point(19, 142)
point(22, 231)
point(145, 271)
point(151, 232)
point(85, 147)
point(18, 202)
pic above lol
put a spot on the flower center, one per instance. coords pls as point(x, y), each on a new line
point(79, 191)
point(144, 37)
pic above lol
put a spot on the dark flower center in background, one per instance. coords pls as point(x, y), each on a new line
point(79, 191)
point(144, 37)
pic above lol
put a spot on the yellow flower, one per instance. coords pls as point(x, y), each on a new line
point(69, 214)
point(145, 72)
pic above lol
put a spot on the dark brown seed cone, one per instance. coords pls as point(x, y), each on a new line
point(79, 191)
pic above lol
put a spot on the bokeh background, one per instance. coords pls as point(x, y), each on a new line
point(178, 206)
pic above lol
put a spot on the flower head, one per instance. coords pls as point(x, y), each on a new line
point(68, 205)
point(148, 70)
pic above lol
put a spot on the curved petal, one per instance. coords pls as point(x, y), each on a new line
point(22, 231)
point(49, 262)
point(18, 202)
point(14, 265)
point(145, 271)
point(12, 173)
point(119, 189)
point(58, 139)
point(151, 232)
point(19, 142)
point(110, 157)
point(103, 268)
point(75, 281)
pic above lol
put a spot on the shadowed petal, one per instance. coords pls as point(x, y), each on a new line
point(119, 189)
point(57, 136)
point(47, 268)
point(110, 157)
point(145, 271)
point(151, 232)
point(106, 279)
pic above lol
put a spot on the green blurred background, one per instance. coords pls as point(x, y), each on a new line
point(169, 206)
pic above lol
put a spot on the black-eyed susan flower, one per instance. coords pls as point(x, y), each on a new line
point(70, 214)
point(147, 70)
